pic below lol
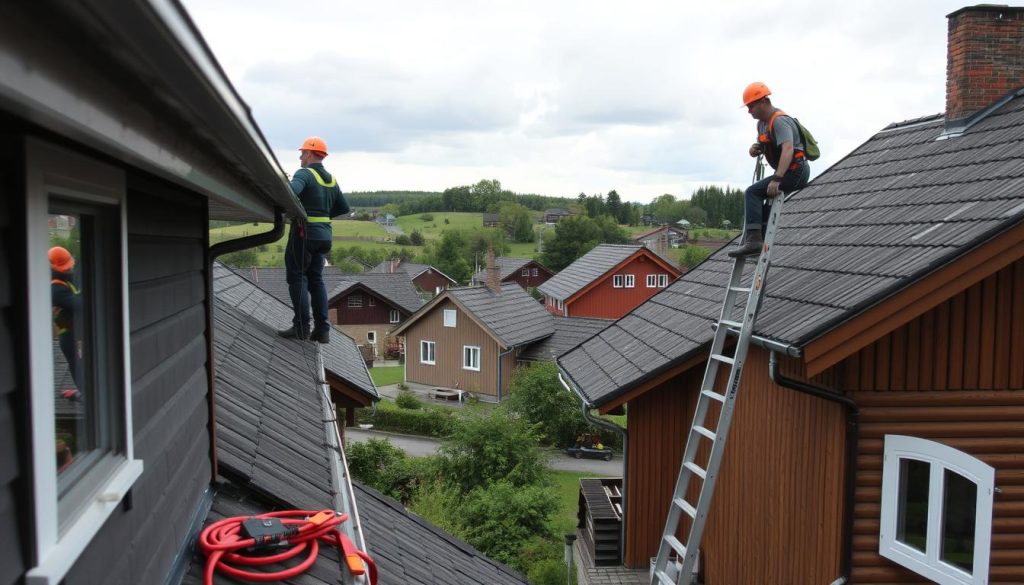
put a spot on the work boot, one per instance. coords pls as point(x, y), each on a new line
point(321, 336)
point(751, 244)
point(293, 333)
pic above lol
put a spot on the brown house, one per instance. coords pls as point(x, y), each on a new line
point(428, 280)
point(607, 282)
point(878, 432)
point(367, 306)
point(522, 271)
point(469, 339)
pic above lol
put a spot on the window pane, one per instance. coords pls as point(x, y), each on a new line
point(912, 512)
point(75, 407)
point(958, 515)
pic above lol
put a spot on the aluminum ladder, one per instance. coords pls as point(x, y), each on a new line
point(682, 570)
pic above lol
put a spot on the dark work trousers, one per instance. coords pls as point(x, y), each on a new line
point(757, 206)
point(304, 267)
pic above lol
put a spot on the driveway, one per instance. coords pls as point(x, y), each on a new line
point(423, 446)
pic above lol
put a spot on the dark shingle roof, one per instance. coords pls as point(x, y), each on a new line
point(396, 288)
point(341, 356)
point(586, 269)
point(569, 332)
point(408, 549)
point(506, 267)
point(895, 209)
point(413, 270)
point(514, 317)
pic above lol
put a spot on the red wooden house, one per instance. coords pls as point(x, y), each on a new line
point(607, 282)
point(878, 432)
point(522, 271)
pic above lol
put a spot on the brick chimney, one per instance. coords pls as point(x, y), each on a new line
point(493, 274)
point(985, 60)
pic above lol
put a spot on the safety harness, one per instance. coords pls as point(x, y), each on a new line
point(322, 183)
point(62, 329)
point(769, 145)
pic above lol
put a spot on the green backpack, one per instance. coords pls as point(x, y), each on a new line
point(811, 150)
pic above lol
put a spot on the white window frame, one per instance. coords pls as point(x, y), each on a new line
point(59, 542)
point(630, 281)
point(525, 272)
point(394, 316)
point(534, 271)
point(617, 280)
point(371, 337)
point(450, 317)
point(469, 351)
point(662, 280)
point(354, 301)
point(652, 281)
point(371, 301)
point(431, 352)
point(941, 458)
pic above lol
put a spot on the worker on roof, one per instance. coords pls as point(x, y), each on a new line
point(309, 241)
point(67, 305)
point(780, 141)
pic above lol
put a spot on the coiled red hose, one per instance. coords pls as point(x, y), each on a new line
point(224, 545)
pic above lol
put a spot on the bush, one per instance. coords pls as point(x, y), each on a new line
point(387, 469)
point(416, 238)
point(693, 255)
point(501, 519)
point(408, 400)
point(427, 217)
point(536, 395)
point(428, 422)
point(548, 572)
point(403, 240)
point(490, 447)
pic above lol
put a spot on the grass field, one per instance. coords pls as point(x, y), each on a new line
point(387, 375)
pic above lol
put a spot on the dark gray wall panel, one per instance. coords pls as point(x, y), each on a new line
point(167, 295)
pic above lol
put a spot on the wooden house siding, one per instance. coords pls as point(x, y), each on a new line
point(448, 371)
point(779, 494)
point(528, 282)
point(430, 280)
point(14, 475)
point(954, 375)
point(604, 301)
point(379, 314)
point(167, 241)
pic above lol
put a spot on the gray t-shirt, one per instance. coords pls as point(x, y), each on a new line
point(785, 130)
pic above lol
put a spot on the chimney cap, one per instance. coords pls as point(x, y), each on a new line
point(986, 8)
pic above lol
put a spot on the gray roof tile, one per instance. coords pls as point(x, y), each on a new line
point(514, 317)
point(587, 268)
point(897, 208)
point(394, 288)
point(569, 332)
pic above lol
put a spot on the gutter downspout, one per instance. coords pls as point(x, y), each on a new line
point(852, 438)
point(625, 450)
point(502, 354)
point(211, 254)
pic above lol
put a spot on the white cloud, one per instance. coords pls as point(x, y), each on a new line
point(569, 96)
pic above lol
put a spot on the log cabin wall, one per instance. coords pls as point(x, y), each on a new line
point(954, 375)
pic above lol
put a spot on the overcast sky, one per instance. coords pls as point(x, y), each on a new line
point(562, 96)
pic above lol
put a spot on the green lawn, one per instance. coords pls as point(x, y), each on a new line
point(387, 375)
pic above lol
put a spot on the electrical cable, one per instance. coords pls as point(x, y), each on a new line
point(250, 541)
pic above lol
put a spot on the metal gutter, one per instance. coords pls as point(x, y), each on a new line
point(768, 344)
point(587, 406)
point(852, 439)
point(344, 497)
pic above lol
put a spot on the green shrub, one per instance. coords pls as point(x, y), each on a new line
point(488, 447)
point(384, 467)
point(503, 518)
point(403, 240)
point(428, 422)
point(549, 572)
point(427, 217)
point(408, 400)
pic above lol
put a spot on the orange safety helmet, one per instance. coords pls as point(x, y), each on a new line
point(754, 92)
point(61, 260)
point(316, 144)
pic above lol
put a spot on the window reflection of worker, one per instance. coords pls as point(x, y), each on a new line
point(67, 303)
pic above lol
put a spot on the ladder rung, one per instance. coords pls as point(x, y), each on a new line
point(696, 469)
point(723, 358)
point(729, 323)
point(686, 507)
point(743, 289)
point(714, 395)
point(664, 579)
point(703, 431)
point(677, 546)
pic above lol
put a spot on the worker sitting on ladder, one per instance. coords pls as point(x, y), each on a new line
point(780, 141)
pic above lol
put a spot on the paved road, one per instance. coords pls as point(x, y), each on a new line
point(423, 446)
